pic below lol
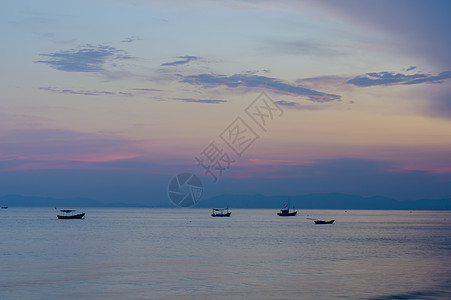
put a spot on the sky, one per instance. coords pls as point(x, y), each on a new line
point(110, 99)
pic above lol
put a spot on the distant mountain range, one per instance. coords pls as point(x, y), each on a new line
point(323, 201)
point(18, 200)
point(309, 201)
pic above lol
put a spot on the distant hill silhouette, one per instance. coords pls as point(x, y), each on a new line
point(18, 200)
point(323, 201)
point(308, 201)
point(31, 201)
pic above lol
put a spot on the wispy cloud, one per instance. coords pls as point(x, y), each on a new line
point(88, 58)
point(148, 90)
point(77, 92)
point(286, 103)
point(183, 60)
point(256, 81)
point(125, 94)
point(206, 101)
point(391, 78)
point(65, 145)
point(302, 47)
point(299, 106)
point(47, 35)
point(131, 39)
point(327, 80)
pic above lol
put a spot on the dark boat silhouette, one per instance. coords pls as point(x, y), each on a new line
point(324, 222)
point(286, 212)
point(68, 214)
point(221, 212)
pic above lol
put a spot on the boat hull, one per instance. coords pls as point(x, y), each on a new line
point(291, 214)
point(77, 216)
point(324, 222)
point(221, 215)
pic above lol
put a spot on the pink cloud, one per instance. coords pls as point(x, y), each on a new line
point(49, 149)
point(430, 169)
point(99, 157)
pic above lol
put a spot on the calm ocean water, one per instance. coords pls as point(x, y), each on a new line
point(143, 253)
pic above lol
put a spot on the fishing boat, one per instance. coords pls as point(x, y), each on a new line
point(4, 207)
point(221, 212)
point(286, 212)
point(69, 214)
point(324, 222)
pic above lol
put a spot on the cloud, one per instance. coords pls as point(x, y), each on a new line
point(77, 92)
point(184, 60)
point(148, 90)
point(131, 39)
point(298, 106)
point(88, 58)
point(22, 119)
point(255, 81)
point(61, 147)
point(287, 103)
point(212, 101)
point(125, 94)
point(365, 177)
point(47, 35)
point(327, 80)
point(391, 78)
point(302, 47)
point(418, 27)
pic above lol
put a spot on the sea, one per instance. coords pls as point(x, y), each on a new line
point(156, 253)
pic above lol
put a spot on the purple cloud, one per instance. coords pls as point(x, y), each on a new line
point(391, 78)
point(255, 81)
point(208, 101)
point(85, 59)
point(148, 90)
point(52, 144)
point(79, 92)
point(298, 106)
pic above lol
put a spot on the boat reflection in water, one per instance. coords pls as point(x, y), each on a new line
point(68, 214)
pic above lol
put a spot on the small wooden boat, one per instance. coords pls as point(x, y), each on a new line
point(221, 212)
point(68, 214)
point(4, 207)
point(286, 212)
point(324, 222)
